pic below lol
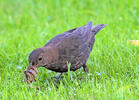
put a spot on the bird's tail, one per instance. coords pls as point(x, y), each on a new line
point(95, 29)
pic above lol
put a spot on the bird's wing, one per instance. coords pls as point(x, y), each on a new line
point(73, 42)
point(76, 35)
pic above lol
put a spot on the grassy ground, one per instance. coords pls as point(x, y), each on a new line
point(113, 63)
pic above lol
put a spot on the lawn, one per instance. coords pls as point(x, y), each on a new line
point(113, 64)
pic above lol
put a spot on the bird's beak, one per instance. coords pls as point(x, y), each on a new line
point(33, 68)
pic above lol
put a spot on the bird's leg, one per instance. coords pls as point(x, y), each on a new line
point(58, 78)
point(85, 68)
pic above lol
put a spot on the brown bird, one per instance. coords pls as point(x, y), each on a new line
point(73, 46)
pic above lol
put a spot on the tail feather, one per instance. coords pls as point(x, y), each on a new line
point(95, 29)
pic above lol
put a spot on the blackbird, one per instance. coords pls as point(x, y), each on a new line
point(73, 46)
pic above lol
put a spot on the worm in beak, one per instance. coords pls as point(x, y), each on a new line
point(30, 74)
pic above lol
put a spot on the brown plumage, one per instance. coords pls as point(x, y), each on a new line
point(73, 46)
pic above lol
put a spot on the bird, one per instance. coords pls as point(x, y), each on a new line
point(73, 46)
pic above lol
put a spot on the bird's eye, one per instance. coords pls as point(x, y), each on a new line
point(40, 59)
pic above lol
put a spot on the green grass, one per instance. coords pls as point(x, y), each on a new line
point(113, 63)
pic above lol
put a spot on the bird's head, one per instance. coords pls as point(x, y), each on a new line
point(38, 57)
